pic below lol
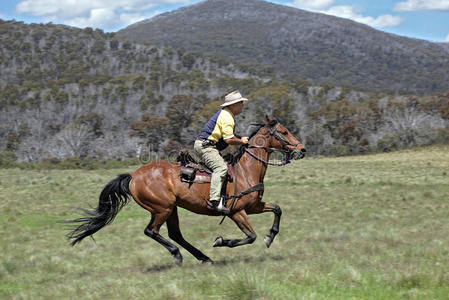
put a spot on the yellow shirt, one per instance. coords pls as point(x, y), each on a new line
point(220, 126)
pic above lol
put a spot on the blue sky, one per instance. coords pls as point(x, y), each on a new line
point(423, 19)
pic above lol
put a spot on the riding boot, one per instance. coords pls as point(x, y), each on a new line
point(218, 205)
point(222, 206)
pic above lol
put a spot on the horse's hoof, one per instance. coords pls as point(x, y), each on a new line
point(267, 241)
point(178, 259)
point(208, 262)
point(218, 242)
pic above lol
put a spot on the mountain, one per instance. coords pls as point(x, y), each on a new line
point(312, 46)
point(67, 93)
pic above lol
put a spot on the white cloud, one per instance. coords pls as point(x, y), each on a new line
point(98, 17)
point(67, 8)
point(312, 4)
point(414, 5)
point(349, 12)
point(94, 13)
point(447, 38)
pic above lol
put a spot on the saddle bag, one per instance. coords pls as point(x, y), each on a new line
point(188, 174)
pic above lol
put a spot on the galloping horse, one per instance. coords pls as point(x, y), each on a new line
point(157, 188)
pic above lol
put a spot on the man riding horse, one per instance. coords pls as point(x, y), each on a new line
point(158, 188)
point(216, 135)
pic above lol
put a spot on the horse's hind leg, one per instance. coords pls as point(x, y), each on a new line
point(267, 207)
point(241, 219)
point(175, 234)
point(152, 230)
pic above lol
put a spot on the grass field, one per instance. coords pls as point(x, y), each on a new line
point(364, 227)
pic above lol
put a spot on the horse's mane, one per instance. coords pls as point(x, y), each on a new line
point(235, 157)
point(257, 126)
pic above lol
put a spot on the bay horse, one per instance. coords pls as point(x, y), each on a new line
point(157, 188)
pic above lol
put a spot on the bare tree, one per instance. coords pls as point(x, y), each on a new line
point(406, 117)
point(72, 141)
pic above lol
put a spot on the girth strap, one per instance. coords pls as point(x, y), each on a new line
point(254, 188)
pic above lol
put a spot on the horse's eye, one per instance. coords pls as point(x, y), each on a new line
point(285, 133)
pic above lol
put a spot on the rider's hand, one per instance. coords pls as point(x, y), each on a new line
point(244, 140)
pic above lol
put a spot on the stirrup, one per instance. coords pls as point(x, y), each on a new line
point(218, 206)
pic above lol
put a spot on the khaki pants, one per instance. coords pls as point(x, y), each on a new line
point(212, 158)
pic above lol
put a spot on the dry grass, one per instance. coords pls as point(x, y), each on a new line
point(364, 227)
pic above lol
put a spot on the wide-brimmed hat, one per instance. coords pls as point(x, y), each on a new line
point(232, 98)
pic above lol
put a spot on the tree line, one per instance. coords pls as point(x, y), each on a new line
point(72, 93)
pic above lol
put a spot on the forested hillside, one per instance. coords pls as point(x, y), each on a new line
point(67, 92)
point(291, 42)
point(71, 92)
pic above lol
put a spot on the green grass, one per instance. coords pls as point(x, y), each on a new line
point(363, 227)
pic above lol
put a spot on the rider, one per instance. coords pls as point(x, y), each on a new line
point(216, 135)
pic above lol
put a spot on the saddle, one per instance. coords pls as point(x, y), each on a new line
point(193, 171)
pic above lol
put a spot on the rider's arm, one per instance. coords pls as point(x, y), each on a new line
point(227, 129)
point(237, 140)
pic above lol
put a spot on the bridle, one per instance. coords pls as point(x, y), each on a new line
point(273, 134)
point(287, 157)
point(284, 142)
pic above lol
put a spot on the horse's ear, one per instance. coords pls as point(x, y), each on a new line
point(271, 121)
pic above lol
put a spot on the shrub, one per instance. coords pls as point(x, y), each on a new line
point(113, 44)
point(341, 150)
point(13, 141)
point(144, 103)
point(401, 139)
point(139, 82)
point(61, 97)
point(188, 60)
point(8, 159)
point(86, 163)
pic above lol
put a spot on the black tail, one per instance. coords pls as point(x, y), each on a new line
point(114, 196)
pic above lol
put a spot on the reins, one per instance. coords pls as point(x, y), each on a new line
point(254, 188)
point(259, 186)
point(283, 163)
point(284, 143)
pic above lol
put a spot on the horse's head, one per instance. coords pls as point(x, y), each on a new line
point(273, 135)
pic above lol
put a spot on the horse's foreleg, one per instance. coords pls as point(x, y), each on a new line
point(241, 219)
point(152, 230)
point(267, 207)
point(175, 234)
